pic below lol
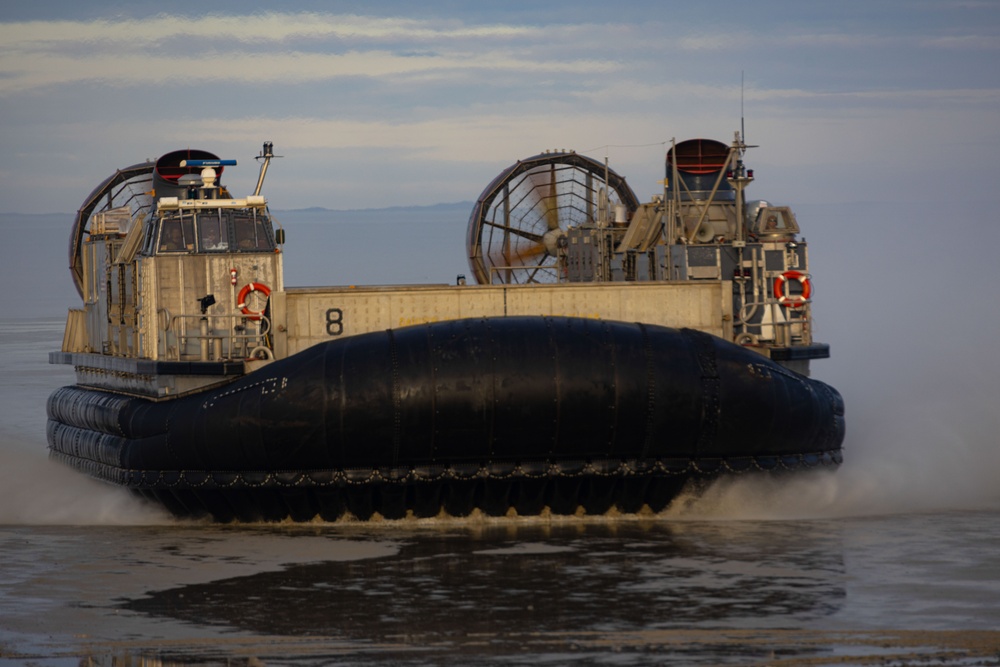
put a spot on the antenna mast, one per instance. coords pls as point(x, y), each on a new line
point(265, 154)
point(743, 129)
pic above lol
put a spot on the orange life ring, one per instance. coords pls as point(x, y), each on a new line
point(792, 300)
point(248, 289)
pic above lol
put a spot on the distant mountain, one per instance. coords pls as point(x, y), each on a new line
point(447, 206)
point(394, 245)
point(451, 215)
point(463, 205)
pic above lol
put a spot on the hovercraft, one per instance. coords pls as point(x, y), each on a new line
point(610, 352)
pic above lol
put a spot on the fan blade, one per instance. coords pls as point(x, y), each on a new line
point(523, 253)
point(551, 210)
point(544, 185)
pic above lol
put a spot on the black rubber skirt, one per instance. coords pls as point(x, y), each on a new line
point(500, 414)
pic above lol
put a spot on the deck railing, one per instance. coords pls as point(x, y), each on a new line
point(215, 338)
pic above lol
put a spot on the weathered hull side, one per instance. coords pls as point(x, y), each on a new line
point(494, 413)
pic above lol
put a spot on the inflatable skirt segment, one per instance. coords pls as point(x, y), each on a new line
point(496, 414)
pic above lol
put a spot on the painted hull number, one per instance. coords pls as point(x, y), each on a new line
point(334, 321)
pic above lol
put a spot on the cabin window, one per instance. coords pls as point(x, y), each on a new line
point(251, 234)
point(213, 234)
point(775, 220)
point(176, 235)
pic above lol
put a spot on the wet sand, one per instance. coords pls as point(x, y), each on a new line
point(774, 648)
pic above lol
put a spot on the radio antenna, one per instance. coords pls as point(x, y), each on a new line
point(743, 129)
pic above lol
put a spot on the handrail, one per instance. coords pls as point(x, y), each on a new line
point(218, 337)
point(784, 334)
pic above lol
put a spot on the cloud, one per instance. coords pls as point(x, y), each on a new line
point(484, 88)
point(964, 42)
point(19, 74)
point(256, 68)
point(256, 29)
point(266, 48)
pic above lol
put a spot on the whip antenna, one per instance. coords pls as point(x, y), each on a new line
point(743, 129)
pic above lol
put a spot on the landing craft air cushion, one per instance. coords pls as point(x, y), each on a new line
point(609, 352)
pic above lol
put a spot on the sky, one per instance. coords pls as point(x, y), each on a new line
point(380, 104)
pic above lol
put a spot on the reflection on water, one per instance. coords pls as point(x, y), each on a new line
point(502, 588)
point(484, 591)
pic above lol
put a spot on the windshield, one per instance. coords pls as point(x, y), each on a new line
point(177, 235)
point(215, 231)
point(251, 234)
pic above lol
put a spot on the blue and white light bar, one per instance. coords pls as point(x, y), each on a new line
point(174, 203)
point(208, 163)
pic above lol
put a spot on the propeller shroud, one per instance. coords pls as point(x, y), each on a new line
point(521, 218)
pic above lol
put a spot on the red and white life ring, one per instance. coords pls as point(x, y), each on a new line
point(792, 300)
point(248, 289)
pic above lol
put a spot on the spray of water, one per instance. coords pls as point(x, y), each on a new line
point(929, 443)
point(913, 332)
point(37, 491)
